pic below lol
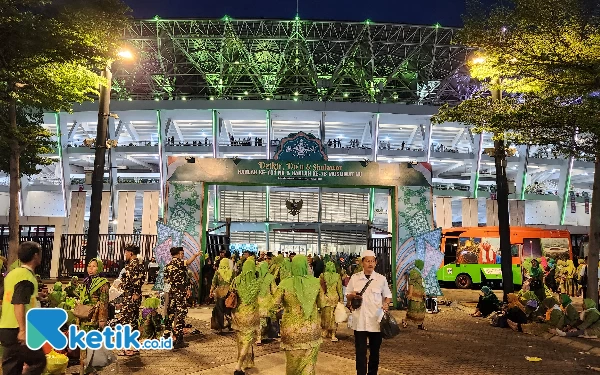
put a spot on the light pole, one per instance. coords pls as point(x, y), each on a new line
point(93, 235)
point(501, 196)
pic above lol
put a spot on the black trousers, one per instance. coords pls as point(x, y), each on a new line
point(360, 343)
point(15, 355)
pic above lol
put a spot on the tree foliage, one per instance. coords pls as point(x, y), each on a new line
point(34, 141)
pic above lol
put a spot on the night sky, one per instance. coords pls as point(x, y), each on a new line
point(421, 12)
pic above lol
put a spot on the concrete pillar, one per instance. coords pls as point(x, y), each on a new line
point(443, 212)
point(516, 210)
point(126, 210)
point(104, 211)
point(470, 214)
point(150, 212)
point(77, 212)
point(477, 146)
point(491, 212)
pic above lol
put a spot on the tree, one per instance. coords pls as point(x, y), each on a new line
point(546, 55)
point(50, 53)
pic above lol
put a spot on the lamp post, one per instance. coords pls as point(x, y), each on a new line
point(93, 235)
point(501, 196)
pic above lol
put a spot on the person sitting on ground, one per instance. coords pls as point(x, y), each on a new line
point(518, 314)
point(488, 303)
point(590, 322)
point(571, 314)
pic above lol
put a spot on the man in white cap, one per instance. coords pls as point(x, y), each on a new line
point(371, 295)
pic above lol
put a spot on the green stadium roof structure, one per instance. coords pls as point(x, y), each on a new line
point(292, 60)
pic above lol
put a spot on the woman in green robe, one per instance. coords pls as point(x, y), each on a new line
point(590, 322)
point(94, 292)
point(219, 290)
point(265, 300)
point(571, 314)
point(57, 296)
point(246, 319)
point(416, 296)
point(286, 269)
point(300, 326)
point(331, 290)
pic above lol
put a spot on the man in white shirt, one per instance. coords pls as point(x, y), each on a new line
point(365, 319)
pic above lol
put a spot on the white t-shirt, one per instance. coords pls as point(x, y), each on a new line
point(368, 316)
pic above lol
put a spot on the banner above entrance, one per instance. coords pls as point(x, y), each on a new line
point(297, 173)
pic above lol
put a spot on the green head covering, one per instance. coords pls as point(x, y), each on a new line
point(266, 279)
point(565, 300)
point(224, 270)
point(419, 264)
point(306, 288)
point(74, 279)
point(330, 275)
point(151, 303)
point(486, 290)
point(58, 286)
point(247, 283)
point(278, 259)
point(589, 304)
point(99, 263)
point(286, 269)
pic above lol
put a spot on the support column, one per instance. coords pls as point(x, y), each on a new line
point(319, 218)
point(126, 211)
point(322, 129)
point(269, 134)
point(375, 134)
point(216, 135)
point(104, 211)
point(443, 212)
point(371, 204)
point(23, 195)
point(113, 173)
point(65, 168)
point(521, 180)
point(162, 159)
point(427, 131)
point(470, 212)
point(477, 146)
point(564, 186)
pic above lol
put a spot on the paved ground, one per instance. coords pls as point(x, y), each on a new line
point(455, 343)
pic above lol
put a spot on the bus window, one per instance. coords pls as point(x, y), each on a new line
point(450, 250)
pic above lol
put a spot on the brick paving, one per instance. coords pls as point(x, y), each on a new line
point(454, 343)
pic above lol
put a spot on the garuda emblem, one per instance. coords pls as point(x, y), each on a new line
point(294, 206)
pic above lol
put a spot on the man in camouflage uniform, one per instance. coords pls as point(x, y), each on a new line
point(131, 284)
point(180, 290)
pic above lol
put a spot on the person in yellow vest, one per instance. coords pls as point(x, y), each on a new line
point(20, 293)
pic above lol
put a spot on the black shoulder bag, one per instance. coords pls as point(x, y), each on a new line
point(356, 301)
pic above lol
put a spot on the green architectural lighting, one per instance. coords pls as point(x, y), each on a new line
point(221, 58)
point(566, 193)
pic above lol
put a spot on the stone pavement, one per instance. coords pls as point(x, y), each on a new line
point(454, 342)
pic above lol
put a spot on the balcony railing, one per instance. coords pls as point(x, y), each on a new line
point(110, 250)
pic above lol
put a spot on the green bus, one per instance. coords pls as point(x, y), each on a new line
point(472, 255)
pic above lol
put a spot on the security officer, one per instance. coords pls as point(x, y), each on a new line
point(131, 284)
point(20, 293)
point(176, 276)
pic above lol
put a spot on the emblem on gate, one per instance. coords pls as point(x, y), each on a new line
point(294, 206)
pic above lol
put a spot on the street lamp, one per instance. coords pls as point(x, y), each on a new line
point(499, 156)
point(100, 154)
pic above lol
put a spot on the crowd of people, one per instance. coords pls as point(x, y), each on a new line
point(545, 302)
point(294, 299)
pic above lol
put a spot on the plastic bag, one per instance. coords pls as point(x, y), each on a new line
point(56, 363)
point(114, 293)
point(340, 313)
point(389, 327)
point(99, 358)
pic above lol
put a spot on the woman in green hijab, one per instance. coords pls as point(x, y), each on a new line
point(300, 326)
point(246, 319)
point(265, 300)
point(286, 269)
point(416, 296)
point(590, 322)
point(94, 293)
point(571, 314)
point(219, 289)
point(57, 296)
point(331, 290)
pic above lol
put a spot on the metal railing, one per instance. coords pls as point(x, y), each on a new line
point(43, 234)
point(110, 250)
